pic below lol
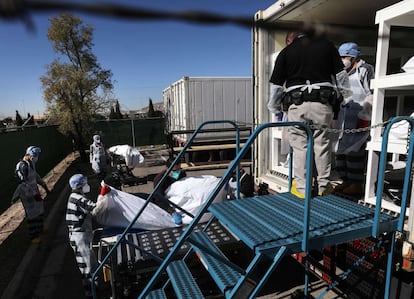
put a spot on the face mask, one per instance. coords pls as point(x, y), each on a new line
point(86, 188)
point(347, 63)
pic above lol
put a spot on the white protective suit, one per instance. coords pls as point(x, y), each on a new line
point(352, 108)
point(28, 189)
point(97, 158)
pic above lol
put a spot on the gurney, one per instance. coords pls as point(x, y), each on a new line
point(154, 234)
point(124, 158)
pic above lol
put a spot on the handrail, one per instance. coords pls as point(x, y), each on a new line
point(224, 179)
point(381, 174)
point(380, 187)
point(157, 187)
point(308, 189)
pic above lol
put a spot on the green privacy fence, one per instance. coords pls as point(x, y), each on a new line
point(137, 132)
point(56, 146)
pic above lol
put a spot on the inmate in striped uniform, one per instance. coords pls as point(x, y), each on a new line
point(79, 222)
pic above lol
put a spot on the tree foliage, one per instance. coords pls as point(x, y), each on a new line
point(115, 111)
point(19, 119)
point(29, 120)
point(152, 112)
point(75, 86)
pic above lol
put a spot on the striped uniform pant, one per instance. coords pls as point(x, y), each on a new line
point(85, 257)
point(351, 166)
point(35, 226)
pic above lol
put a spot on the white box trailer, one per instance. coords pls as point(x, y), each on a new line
point(354, 20)
point(191, 101)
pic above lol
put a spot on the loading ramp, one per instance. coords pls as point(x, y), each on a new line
point(274, 226)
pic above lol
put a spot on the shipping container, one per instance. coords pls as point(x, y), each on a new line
point(341, 21)
point(384, 30)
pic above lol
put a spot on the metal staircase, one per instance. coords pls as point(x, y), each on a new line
point(273, 226)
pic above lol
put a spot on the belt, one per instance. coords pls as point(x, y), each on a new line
point(322, 95)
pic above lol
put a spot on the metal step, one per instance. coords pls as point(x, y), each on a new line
point(157, 294)
point(223, 274)
point(182, 281)
point(268, 222)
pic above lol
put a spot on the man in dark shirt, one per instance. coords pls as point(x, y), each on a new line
point(307, 67)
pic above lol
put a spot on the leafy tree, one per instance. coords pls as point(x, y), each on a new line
point(151, 111)
point(5, 122)
point(19, 119)
point(29, 120)
point(112, 113)
point(118, 113)
point(76, 88)
point(115, 112)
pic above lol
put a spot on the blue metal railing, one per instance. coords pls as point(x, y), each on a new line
point(224, 179)
point(381, 173)
point(308, 190)
point(157, 187)
point(380, 188)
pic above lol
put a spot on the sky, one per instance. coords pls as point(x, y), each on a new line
point(145, 56)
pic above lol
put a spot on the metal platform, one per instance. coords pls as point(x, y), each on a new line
point(277, 225)
point(268, 222)
point(132, 262)
point(137, 247)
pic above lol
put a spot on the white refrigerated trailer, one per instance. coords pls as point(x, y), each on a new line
point(191, 101)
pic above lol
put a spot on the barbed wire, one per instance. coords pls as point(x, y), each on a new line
point(21, 9)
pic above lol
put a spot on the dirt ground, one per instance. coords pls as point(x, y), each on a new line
point(52, 271)
point(11, 219)
point(14, 241)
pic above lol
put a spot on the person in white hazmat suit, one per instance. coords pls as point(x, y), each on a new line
point(28, 192)
point(79, 213)
point(355, 113)
point(98, 158)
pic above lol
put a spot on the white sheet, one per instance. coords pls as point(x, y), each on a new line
point(133, 158)
point(399, 130)
point(190, 193)
point(119, 208)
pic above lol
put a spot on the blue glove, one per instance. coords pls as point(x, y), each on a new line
point(278, 116)
point(178, 218)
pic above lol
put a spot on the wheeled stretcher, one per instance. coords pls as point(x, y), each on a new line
point(131, 265)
